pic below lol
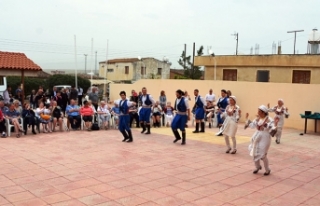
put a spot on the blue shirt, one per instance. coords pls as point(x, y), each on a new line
point(12, 114)
point(73, 114)
point(116, 110)
point(4, 110)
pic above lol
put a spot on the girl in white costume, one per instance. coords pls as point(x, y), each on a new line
point(261, 139)
point(232, 116)
point(281, 112)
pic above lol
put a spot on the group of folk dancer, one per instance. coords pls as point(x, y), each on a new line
point(266, 127)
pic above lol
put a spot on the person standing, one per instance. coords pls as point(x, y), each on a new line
point(94, 97)
point(53, 93)
point(163, 103)
point(124, 118)
point(222, 105)
point(181, 117)
point(144, 114)
point(232, 116)
point(6, 96)
point(80, 96)
point(261, 139)
point(200, 105)
point(73, 93)
point(65, 100)
point(210, 97)
point(281, 112)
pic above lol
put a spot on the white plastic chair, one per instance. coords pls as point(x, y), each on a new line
point(83, 122)
point(9, 126)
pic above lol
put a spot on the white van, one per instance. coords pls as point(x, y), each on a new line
point(3, 85)
point(59, 87)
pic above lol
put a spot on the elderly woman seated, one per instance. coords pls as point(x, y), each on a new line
point(86, 112)
point(14, 118)
point(43, 113)
point(104, 114)
point(57, 115)
point(28, 118)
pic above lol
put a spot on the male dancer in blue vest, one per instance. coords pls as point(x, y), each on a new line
point(145, 112)
point(124, 117)
point(200, 105)
point(222, 105)
point(182, 116)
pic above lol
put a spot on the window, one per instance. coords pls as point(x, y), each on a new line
point(301, 77)
point(143, 70)
point(159, 71)
point(2, 80)
point(126, 69)
point(230, 75)
point(262, 76)
point(110, 70)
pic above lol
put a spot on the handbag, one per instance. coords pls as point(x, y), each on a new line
point(45, 116)
point(95, 126)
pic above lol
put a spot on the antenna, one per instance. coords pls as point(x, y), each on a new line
point(295, 37)
point(274, 48)
point(236, 36)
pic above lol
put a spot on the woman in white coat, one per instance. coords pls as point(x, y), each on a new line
point(261, 139)
point(232, 116)
point(281, 112)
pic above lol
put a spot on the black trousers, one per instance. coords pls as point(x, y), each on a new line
point(134, 116)
point(2, 126)
point(80, 100)
point(78, 121)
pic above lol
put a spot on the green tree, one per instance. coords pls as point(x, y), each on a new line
point(30, 83)
point(190, 71)
point(62, 79)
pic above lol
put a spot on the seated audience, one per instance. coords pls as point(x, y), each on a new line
point(73, 115)
point(115, 111)
point(57, 115)
point(2, 125)
point(104, 114)
point(133, 112)
point(86, 112)
point(14, 119)
point(156, 114)
point(28, 116)
point(168, 110)
point(43, 113)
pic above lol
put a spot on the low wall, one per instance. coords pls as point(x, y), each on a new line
point(297, 97)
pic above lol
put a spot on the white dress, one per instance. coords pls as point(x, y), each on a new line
point(261, 139)
point(280, 112)
point(230, 124)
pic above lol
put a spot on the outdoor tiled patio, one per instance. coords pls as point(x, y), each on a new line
point(96, 168)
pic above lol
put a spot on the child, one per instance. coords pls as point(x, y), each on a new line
point(168, 110)
point(115, 111)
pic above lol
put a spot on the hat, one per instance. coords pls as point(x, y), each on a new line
point(234, 98)
point(263, 108)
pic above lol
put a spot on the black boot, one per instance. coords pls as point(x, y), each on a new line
point(176, 135)
point(197, 128)
point(33, 131)
point(125, 135)
point(143, 127)
point(202, 127)
point(130, 136)
point(148, 129)
point(183, 138)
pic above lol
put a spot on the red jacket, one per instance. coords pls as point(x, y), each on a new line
point(1, 115)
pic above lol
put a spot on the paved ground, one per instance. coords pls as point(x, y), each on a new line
point(96, 168)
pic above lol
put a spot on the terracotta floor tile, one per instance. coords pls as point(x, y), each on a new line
point(101, 188)
point(131, 200)
point(3, 201)
point(151, 195)
point(31, 202)
point(115, 194)
point(94, 199)
point(81, 192)
point(45, 191)
point(19, 196)
point(170, 190)
point(59, 197)
point(169, 200)
point(11, 190)
point(188, 196)
point(208, 201)
point(72, 202)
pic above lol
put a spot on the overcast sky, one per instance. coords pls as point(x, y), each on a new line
point(44, 30)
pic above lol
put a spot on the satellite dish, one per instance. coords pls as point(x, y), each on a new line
point(211, 52)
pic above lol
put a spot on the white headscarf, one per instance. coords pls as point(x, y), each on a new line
point(263, 108)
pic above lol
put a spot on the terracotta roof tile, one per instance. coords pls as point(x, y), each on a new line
point(17, 61)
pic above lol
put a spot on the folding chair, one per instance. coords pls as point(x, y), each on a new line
point(9, 126)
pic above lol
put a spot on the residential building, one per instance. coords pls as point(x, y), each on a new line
point(303, 69)
point(129, 70)
point(176, 73)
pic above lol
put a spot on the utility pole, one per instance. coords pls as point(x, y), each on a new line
point(85, 63)
point(95, 64)
point(194, 48)
point(185, 55)
point(236, 35)
point(295, 37)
